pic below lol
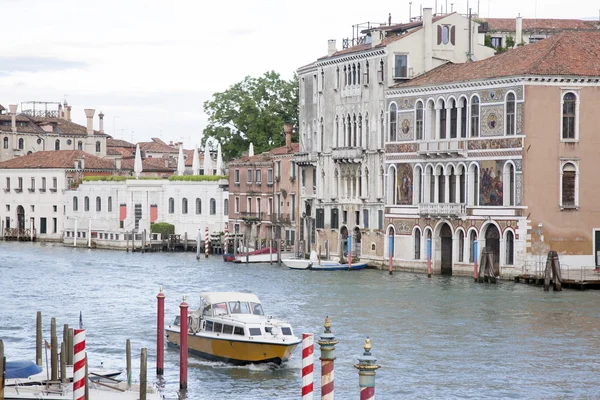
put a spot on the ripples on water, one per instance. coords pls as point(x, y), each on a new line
point(440, 338)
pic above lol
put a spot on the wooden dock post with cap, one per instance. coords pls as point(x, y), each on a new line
point(366, 372)
point(160, 333)
point(183, 344)
point(38, 339)
point(53, 351)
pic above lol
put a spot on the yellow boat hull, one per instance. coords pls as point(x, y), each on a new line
point(231, 350)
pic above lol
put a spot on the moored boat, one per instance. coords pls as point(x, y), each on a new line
point(320, 265)
point(232, 327)
point(24, 373)
point(264, 255)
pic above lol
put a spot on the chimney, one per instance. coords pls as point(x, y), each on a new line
point(89, 114)
point(519, 30)
point(331, 47)
point(287, 130)
point(376, 37)
point(68, 113)
point(13, 116)
point(101, 117)
point(427, 38)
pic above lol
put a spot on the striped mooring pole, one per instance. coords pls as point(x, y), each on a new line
point(429, 257)
point(79, 364)
point(206, 242)
point(183, 344)
point(160, 333)
point(327, 344)
point(475, 272)
point(349, 252)
point(226, 240)
point(308, 344)
point(366, 372)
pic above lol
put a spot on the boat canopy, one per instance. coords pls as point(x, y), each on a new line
point(21, 369)
point(223, 297)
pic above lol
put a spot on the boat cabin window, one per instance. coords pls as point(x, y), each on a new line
point(228, 329)
point(219, 309)
point(257, 309)
point(238, 307)
point(255, 332)
point(217, 327)
point(286, 331)
point(209, 326)
point(206, 311)
point(238, 330)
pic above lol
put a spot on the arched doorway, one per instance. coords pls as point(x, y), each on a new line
point(492, 243)
point(21, 218)
point(356, 242)
point(446, 238)
point(344, 239)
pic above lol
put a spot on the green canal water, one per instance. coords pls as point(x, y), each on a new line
point(438, 338)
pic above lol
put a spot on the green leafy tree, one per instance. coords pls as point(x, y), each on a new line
point(510, 42)
point(253, 110)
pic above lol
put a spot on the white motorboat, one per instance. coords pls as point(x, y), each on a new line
point(320, 265)
point(232, 327)
point(24, 373)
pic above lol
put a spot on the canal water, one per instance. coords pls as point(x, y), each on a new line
point(439, 338)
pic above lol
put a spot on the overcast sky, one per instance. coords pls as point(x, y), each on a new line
point(150, 65)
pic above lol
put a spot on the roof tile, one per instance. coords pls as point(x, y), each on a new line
point(57, 159)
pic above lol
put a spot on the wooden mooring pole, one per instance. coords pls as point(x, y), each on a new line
point(38, 339)
point(53, 351)
point(143, 373)
point(128, 362)
point(2, 370)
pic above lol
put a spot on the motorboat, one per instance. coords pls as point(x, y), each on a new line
point(315, 264)
point(264, 255)
point(23, 373)
point(232, 327)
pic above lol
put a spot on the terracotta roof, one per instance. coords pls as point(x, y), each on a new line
point(27, 124)
point(531, 24)
point(157, 146)
point(110, 142)
point(148, 165)
point(61, 159)
point(267, 156)
point(567, 53)
point(278, 151)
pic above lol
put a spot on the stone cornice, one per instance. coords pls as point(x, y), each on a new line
point(362, 55)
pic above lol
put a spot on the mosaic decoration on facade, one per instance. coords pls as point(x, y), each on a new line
point(519, 118)
point(518, 165)
point(403, 227)
point(401, 148)
point(404, 184)
point(405, 131)
point(490, 183)
point(519, 189)
point(495, 144)
point(406, 103)
point(492, 123)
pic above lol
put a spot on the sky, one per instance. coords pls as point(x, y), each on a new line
point(150, 65)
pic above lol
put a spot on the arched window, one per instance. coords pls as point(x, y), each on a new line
point(358, 74)
point(472, 239)
point(337, 131)
point(184, 206)
point(354, 125)
point(75, 203)
point(366, 80)
point(463, 117)
point(21, 143)
point(473, 185)
point(353, 74)
point(417, 243)
point(475, 116)
point(509, 184)
point(80, 145)
point(345, 77)
point(461, 246)
point(86, 204)
point(510, 248)
point(57, 145)
point(98, 147)
point(198, 206)
point(98, 204)
point(366, 142)
point(569, 195)
point(453, 118)
point(360, 131)
point(337, 77)
point(393, 117)
point(5, 142)
point(569, 115)
point(349, 75)
point(171, 205)
point(321, 136)
point(381, 129)
point(510, 114)
point(348, 132)
point(109, 204)
point(213, 207)
point(419, 119)
point(226, 207)
point(443, 118)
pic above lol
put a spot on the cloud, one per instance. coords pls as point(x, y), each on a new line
point(10, 65)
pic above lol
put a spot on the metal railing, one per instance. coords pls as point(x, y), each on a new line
point(443, 209)
point(448, 146)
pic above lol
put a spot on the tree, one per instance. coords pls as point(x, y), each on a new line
point(510, 42)
point(253, 110)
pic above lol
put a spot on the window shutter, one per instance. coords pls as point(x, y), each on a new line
point(568, 194)
point(439, 39)
point(453, 35)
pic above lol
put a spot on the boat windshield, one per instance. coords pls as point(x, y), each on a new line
point(219, 308)
point(239, 307)
point(257, 309)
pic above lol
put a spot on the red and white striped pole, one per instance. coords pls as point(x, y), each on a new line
point(226, 239)
point(327, 344)
point(308, 348)
point(79, 364)
point(206, 242)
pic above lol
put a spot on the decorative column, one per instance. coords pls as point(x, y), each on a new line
point(447, 188)
point(457, 190)
point(366, 372)
point(426, 187)
point(436, 191)
point(459, 110)
point(327, 344)
point(448, 111)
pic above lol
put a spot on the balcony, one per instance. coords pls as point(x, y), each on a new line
point(281, 219)
point(348, 155)
point(305, 159)
point(251, 217)
point(443, 148)
point(457, 210)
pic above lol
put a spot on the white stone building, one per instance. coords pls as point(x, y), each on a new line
point(343, 119)
point(111, 209)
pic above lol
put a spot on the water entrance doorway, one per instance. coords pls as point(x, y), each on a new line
point(492, 242)
point(21, 218)
point(446, 239)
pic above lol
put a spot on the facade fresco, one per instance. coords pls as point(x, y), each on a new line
point(490, 183)
point(404, 185)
